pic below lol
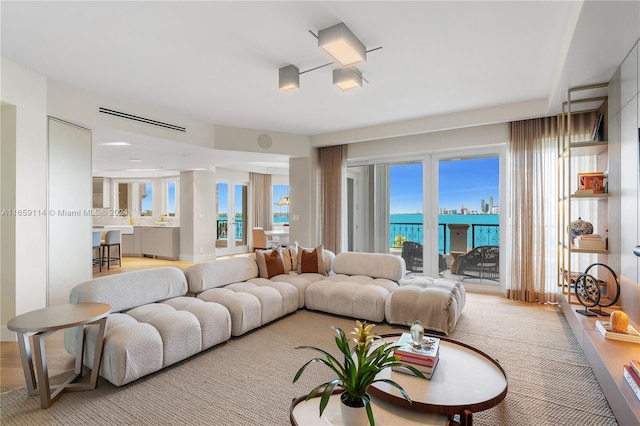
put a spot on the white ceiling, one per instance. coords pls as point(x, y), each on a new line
point(218, 61)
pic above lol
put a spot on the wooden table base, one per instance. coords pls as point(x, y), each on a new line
point(41, 386)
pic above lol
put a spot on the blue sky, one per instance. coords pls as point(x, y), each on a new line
point(279, 191)
point(460, 182)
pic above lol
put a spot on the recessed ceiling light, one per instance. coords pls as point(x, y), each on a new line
point(135, 160)
point(115, 143)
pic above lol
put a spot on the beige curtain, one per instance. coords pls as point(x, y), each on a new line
point(333, 161)
point(533, 161)
point(261, 200)
point(533, 207)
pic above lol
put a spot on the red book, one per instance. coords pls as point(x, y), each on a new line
point(633, 380)
point(635, 365)
point(633, 374)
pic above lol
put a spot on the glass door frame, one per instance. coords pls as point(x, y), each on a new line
point(231, 247)
point(501, 152)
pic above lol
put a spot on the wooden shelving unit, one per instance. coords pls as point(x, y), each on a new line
point(583, 102)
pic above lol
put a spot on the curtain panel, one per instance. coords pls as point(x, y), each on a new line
point(333, 168)
point(261, 201)
point(533, 210)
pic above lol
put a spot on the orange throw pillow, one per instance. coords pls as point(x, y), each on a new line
point(274, 263)
point(311, 260)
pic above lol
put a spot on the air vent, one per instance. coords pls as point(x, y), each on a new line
point(141, 119)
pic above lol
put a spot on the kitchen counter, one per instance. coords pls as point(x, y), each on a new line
point(124, 229)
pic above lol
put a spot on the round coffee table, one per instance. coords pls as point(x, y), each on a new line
point(466, 380)
point(45, 321)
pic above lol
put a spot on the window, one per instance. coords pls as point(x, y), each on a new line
point(170, 197)
point(280, 204)
point(146, 199)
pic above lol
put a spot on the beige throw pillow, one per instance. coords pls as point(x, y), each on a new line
point(290, 259)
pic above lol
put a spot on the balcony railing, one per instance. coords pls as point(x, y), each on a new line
point(222, 227)
point(480, 235)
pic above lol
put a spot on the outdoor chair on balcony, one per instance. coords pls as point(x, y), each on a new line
point(481, 262)
point(412, 253)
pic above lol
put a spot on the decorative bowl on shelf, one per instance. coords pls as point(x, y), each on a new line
point(579, 227)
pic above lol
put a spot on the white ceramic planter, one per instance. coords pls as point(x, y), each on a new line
point(353, 416)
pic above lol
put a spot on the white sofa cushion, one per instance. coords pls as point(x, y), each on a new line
point(376, 265)
point(131, 289)
point(152, 324)
point(253, 303)
point(218, 273)
point(359, 296)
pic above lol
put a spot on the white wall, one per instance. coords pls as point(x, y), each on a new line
point(27, 91)
point(198, 230)
point(624, 167)
point(304, 188)
point(81, 107)
point(70, 199)
point(449, 140)
point(238, 139)
point(7, 203)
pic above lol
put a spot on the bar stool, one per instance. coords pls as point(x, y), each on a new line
point(111, 239)
point(97, 244)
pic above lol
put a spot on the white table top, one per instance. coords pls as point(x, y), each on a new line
point(464, 377)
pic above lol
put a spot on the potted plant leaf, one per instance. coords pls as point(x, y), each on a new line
point(358, 370)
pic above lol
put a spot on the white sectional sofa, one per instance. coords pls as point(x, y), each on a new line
point(153, 323)
point(235, 284)
point(359, 286)
point(162, 316)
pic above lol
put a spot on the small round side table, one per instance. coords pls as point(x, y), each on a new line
point(45, 321)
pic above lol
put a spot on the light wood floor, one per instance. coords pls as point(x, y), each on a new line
point(58, 360)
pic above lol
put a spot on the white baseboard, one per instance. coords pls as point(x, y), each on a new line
point(7, 335)
point(199, 258)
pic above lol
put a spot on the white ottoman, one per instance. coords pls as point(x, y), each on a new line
point(436, 303)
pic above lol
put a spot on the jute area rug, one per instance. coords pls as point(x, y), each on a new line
point(248, 380)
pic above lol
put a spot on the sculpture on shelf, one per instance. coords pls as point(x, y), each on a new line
point(589, 292)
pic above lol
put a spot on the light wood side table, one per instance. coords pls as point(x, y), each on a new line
point(45, 321)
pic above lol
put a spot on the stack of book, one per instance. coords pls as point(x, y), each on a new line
point(591, 183)
point(630, 335)
point(424, 358)
point(632, 376)
point(590, 242)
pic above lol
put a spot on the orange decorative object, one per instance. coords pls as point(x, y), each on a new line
point(619, 321)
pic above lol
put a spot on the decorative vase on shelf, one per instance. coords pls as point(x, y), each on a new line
point(579, 227)
point(352, 416)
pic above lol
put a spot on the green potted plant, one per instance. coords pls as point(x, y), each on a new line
point(358, 371)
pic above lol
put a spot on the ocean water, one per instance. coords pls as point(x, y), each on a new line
point(408, 227)
point(483, 219)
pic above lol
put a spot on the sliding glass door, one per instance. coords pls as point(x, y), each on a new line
point(430, 211)
point(469, 194)
point(232, 218)
point(406, 214)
